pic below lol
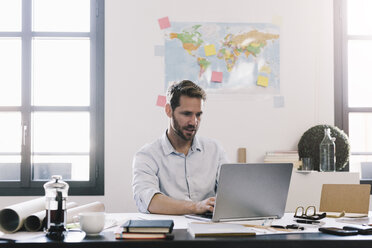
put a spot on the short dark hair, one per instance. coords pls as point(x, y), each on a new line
point(184, 88)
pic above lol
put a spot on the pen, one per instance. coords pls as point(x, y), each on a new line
point(308, 221)
point(293, 226)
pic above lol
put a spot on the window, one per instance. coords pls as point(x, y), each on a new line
point(51, 95)
point(353, 79)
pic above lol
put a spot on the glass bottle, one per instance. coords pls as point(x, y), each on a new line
point(56, 192)
point(327, 152)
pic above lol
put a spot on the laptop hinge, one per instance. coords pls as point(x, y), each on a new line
point(249, 218)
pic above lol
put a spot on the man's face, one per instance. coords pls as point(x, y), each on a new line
point(185, 119)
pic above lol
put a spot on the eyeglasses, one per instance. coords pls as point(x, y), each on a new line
point(309, 213)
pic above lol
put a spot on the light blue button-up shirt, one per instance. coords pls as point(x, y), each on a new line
point(159, 168)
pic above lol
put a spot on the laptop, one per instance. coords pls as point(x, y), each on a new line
point(250, 191)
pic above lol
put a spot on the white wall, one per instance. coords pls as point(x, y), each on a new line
point(134, 77)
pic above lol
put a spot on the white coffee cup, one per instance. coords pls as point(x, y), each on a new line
point(92, 223)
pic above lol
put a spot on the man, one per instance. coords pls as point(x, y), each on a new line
point(177, 174)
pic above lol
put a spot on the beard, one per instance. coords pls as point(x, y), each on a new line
point(180, 130)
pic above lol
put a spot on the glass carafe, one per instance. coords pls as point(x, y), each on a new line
point(56, 192)
point(327, 152)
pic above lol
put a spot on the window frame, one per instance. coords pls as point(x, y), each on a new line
point(341, 38)
point(95, 186)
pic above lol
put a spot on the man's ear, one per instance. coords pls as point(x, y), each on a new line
point(168, 110)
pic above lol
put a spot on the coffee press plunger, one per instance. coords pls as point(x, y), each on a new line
point(56, 192)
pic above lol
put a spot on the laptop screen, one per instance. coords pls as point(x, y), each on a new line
point(252, 191)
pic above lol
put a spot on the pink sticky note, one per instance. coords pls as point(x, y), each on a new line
point(162, 100)
point(164, 22)
point(217, 76)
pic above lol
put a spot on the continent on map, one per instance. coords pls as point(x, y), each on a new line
point(249, 43)
point(229, 57)
point(203, 64)
point(191, 40)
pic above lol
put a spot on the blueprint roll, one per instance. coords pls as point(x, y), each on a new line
point(12, 217)
point(36, 221)
point(91, 207)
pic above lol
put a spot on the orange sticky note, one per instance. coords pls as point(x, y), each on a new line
point(162, 100)
point(164, 22)
point(217, 76)
point(263, 81)
point(209, 50)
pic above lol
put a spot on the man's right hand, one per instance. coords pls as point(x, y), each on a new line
point(206, 205)
point(161, 204)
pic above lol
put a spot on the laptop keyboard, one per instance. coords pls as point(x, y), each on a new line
point(207, 215)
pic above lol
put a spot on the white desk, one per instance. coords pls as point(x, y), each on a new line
point(308, 238)
point(180, 222)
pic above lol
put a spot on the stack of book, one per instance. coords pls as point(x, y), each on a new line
point(145, 229)
point(283, 157)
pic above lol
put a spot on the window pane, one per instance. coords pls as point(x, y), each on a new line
point(366, 169)
point(56, 132)
point(70, 167)
point(361, 164)
point(10, 72)
point(359, 17)
point(61, 72)
point(360, 76)
point(10, 167)
point(61, 15)
point(10, 15)
point(10, 132)
point(360, 132)
point(10, 146)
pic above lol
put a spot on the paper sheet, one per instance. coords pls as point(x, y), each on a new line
point(164, 22)
point(161, 101)
point(209, 50)
point(217, 76)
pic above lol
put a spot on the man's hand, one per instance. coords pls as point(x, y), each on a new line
point(161, 204)
point(205, 205)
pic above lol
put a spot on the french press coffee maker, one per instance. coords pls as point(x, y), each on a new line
point(56, 195)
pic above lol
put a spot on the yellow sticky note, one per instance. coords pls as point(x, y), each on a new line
point(209, 50)
point(263, 81)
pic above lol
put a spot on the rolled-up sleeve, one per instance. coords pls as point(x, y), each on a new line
point(145, 182)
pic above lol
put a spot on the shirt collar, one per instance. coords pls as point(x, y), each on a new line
point(167, 146)
point(196, 144)
point(169, 149)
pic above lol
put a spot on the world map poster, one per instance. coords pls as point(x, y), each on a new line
point(224, 57)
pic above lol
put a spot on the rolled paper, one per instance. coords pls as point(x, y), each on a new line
point(36, 221)
point(91, 207)
point(13, 217)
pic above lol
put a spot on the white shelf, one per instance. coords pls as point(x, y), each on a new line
point(306, 186)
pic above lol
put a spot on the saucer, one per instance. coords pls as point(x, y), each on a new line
point(93, 234)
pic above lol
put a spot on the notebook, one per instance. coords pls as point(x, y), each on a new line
point(148, 226)
point(250, 191)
